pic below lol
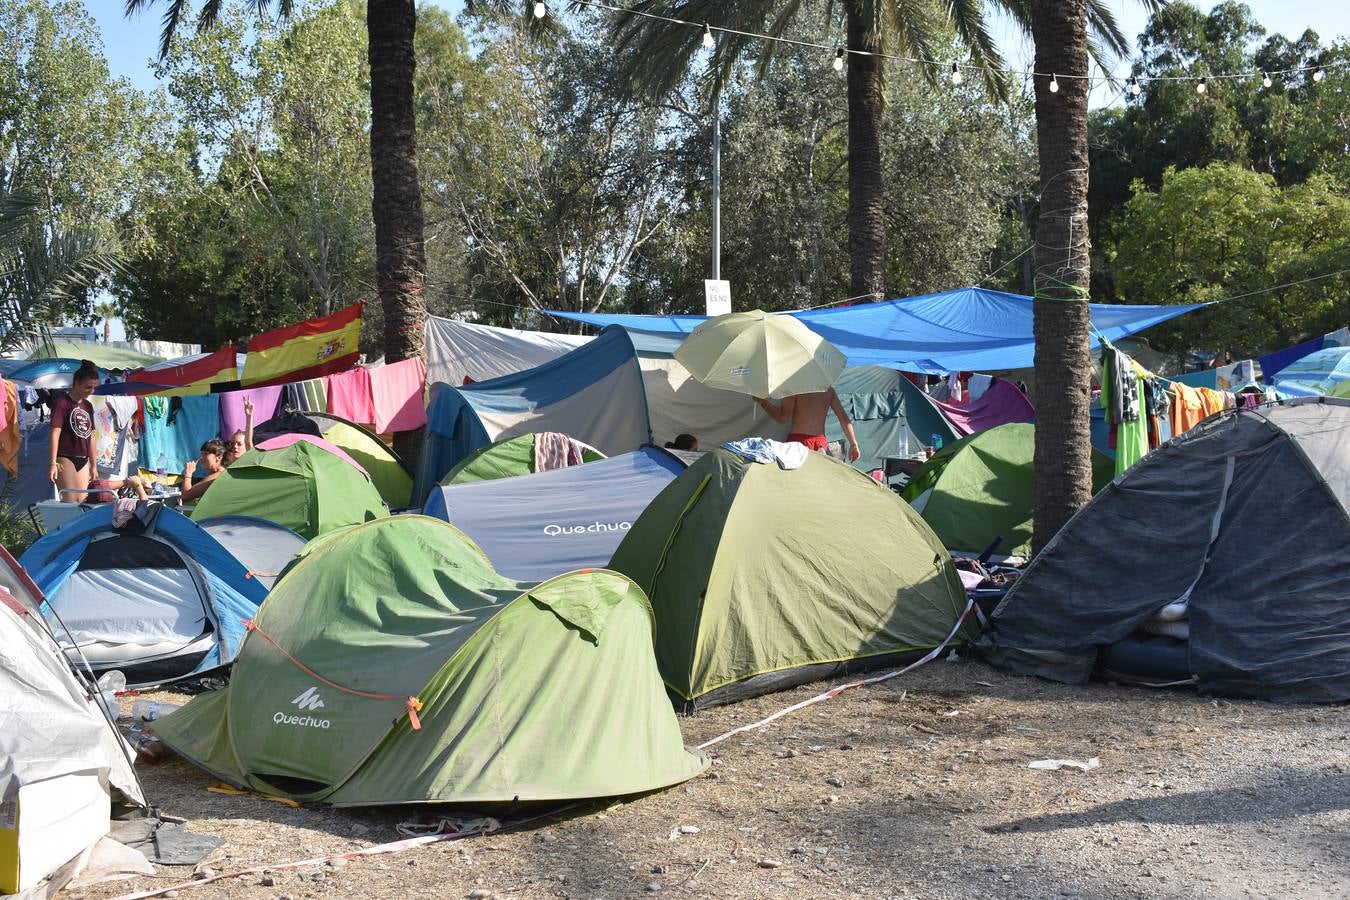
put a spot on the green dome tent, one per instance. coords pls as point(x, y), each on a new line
point(982, 487)
point(387, 471)
point(303, 487)
point(513, 456)
point(396, 666)
point(762, 578)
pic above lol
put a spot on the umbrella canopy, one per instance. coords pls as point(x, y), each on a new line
point(760, 354)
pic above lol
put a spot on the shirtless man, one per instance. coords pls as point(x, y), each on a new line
point(805, 415)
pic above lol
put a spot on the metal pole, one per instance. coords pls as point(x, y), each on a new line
point(717, 186)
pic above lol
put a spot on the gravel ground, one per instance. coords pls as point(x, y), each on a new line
point(915, 788)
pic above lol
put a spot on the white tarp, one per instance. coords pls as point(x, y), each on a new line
point(53, 727)
point(459, 349)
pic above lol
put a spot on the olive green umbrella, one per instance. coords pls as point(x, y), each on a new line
point(760, 354)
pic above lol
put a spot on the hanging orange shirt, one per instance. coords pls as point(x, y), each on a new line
point(1211, 402)
point(10, 437)
point(1186, 409)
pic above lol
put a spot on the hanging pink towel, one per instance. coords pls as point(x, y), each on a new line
point(349, 396)
point(397, 392)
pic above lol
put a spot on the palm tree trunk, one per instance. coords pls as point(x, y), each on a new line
point(1063, 462)
point(107, 330)
point(866, 219)
point(400, 260)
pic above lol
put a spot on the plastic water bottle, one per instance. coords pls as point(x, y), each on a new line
point(145, 710)
point(161, 469)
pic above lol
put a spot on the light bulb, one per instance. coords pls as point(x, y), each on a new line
point(1318, 74)
point(1135, 89)
point(1054, 84)
point(1200, 86)
point(838, 60)
point(708, 40)
point(1265, 79)
point(540, 9)
point(957, 77)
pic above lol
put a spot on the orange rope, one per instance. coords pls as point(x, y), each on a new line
point(412, 704)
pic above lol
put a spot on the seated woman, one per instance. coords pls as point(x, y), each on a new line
point(241, 441)
point(211, 461)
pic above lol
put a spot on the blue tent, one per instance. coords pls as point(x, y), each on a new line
point(965, 330)
point(159, 603)
point(1314, 375)
point(536, 526)
point(55, 373)
point(593, 394)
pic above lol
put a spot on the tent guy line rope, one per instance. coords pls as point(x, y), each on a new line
point(839, 689)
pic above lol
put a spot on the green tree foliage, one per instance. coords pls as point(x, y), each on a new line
point(1218, 231)
point(73, 143)
point(267, 218)
point(1292, 130)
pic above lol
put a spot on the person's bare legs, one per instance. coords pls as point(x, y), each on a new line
point(68, 478)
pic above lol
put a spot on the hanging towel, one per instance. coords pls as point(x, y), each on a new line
point(977, 385)
point(265, 400)
point(349, 396)
point(116, 443)
point(396, 393)
point(196, 420)
point(307, 396)
point(554, 450)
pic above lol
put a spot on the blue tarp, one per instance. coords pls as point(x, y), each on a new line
point(593, 394)
point(965, 330)
point(534, 527)
point(1272, 364)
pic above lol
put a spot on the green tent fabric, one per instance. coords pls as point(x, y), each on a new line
point(762, 577)
point(387, 472)
point(103, 355)
point(513, 456)
point(982, 487)
point(527, 692)
point(303, 487)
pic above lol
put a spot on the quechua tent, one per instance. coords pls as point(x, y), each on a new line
point(302, 487)
point(537, 526)
point(1240, 527)
point(762, 578)
point(396, 666)
point(593, 393)
point(159, 599)
point(982, 488)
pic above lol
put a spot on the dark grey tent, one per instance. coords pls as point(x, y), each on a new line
point(1242, 523)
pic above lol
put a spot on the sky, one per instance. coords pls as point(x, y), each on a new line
point(130, 43)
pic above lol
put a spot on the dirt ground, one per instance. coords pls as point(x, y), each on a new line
point(919, 787)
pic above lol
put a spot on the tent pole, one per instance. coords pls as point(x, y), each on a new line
point(717, 185)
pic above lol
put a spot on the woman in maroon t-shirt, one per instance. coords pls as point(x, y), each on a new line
point(73, 450)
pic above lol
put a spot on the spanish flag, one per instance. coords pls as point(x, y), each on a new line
point(309, 349)
point(185, 379)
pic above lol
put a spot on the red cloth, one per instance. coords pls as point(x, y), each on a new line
point(815, 442)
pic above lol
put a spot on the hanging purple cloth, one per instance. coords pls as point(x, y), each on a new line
point(265, 400)
point(1000, 404)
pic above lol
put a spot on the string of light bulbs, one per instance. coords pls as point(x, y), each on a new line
point(957, 71)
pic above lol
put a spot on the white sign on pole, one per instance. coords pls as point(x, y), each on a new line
point(717, 296)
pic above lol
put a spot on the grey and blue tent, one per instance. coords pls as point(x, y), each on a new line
point(536, 526)
point(1222, 558)
point(593, 394)
point(159, 598)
